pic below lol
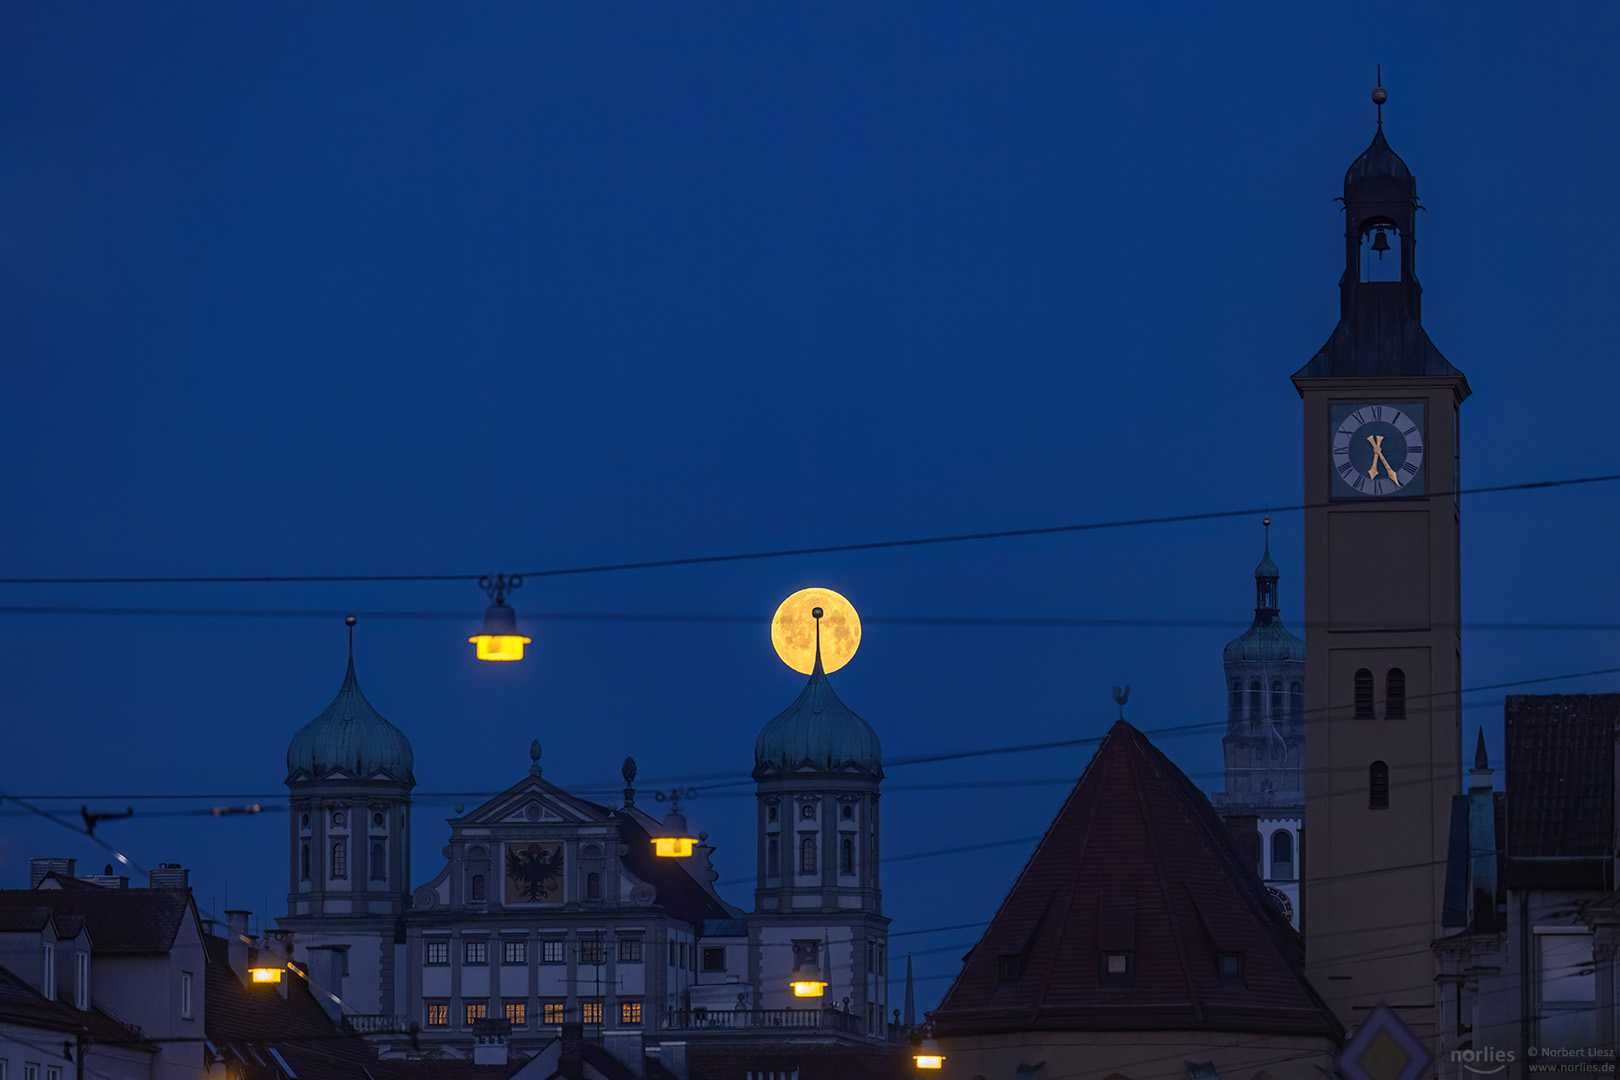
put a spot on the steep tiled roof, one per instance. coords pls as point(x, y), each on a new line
point(1136, 861)
point(22, 1004)
point(678, 894)
point(267, 1035)
point(120, 920)
point(1560, 774)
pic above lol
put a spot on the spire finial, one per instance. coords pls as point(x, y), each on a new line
point(349, 621)
point(816, 613)
point(534, 756)
point(1379, 96)
point(1122, 694)
point(1481, 761)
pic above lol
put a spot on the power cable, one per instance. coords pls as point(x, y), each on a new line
point(871, 545)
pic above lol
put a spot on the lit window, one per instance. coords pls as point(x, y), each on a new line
point(436, 952)
point(590, 1012)
point(475, 951)
point(514, 951)
point(438, 1013)
point(476, 1010)
point(630, 1012)
point(551, 1012)
point(185, 995)
point(340, 860)
point(515, 1012)
point(714, 959)
point(553, 951)
point(630, 950)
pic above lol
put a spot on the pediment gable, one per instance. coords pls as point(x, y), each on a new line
point(533, 801)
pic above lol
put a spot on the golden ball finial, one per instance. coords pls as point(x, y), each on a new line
point(1379, 96)
point(350, 620)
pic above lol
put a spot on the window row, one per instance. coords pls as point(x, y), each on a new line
point(808, 861)
point(437, 1013)
point(340, 861)
point(340, 818)
point(1394, 694)
point(516, 951)
point(807, 812)
point(1253, 705)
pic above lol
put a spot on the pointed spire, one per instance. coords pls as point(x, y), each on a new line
point(817, 613)
point(909, 1017)
point(1480, 760)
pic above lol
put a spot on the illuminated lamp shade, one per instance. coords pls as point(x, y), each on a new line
point(808, 980)
point(673, 841)
point(265, 974)
point(499, 638)
point(928, 1055)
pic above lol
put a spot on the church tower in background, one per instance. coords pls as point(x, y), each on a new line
point(1264, 748)
point(1383, 735)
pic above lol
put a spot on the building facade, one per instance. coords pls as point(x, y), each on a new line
point(551, 909)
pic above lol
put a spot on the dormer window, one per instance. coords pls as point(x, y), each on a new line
point(1009, 967)
point(1117, 969)
point(1231, 967)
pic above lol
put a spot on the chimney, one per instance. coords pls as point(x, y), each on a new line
point(326, 980)
point(571, 1058)
point(491, 1037)
point(236, 942)
point(170, 875)
point(38, 868)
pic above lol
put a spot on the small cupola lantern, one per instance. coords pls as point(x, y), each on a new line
point(673, 839)
point(499, 638)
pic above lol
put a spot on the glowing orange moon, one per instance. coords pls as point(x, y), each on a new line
point(793, 630)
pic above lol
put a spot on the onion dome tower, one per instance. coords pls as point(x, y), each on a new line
point(349, 781)
point(1264, 746)
point(817, 770)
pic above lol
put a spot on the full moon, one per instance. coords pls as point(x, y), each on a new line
point(793, 630)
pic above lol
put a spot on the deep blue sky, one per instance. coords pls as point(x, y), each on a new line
point(417, 289)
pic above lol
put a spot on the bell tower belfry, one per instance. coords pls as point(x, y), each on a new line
point(1383, 734)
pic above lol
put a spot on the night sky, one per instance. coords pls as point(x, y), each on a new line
point(507, 287)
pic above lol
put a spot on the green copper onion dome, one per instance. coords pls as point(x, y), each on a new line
point(818, 731)
point(350, 736)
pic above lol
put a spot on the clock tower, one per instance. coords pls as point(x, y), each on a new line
point(1383, 733)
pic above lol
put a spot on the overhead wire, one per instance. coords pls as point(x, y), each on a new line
point(825, 549)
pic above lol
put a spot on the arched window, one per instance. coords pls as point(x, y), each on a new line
point(1282, 855)
point(807, 855)
point(340, 860)
point(593, 886)
point(1276, 699)
point(1364, 694)
point(478, 887)
point(1234, 704)
point(773, 857)
point(303, 862)
point(1395, 694)
point(1378, 786)
point(1296, 702)
point(1254, 699)
point(379, 862)
point(846, 855)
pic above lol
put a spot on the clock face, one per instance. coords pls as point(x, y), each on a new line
point(1280, 898)
point(1377, 449)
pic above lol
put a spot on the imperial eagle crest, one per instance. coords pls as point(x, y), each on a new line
point(533, 873)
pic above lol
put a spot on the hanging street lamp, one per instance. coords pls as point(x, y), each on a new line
point(673, 839)
point(499, 639)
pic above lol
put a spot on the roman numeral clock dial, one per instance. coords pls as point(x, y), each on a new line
point(1377, 450)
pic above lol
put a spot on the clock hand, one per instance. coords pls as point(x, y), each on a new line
point(1378, 456)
